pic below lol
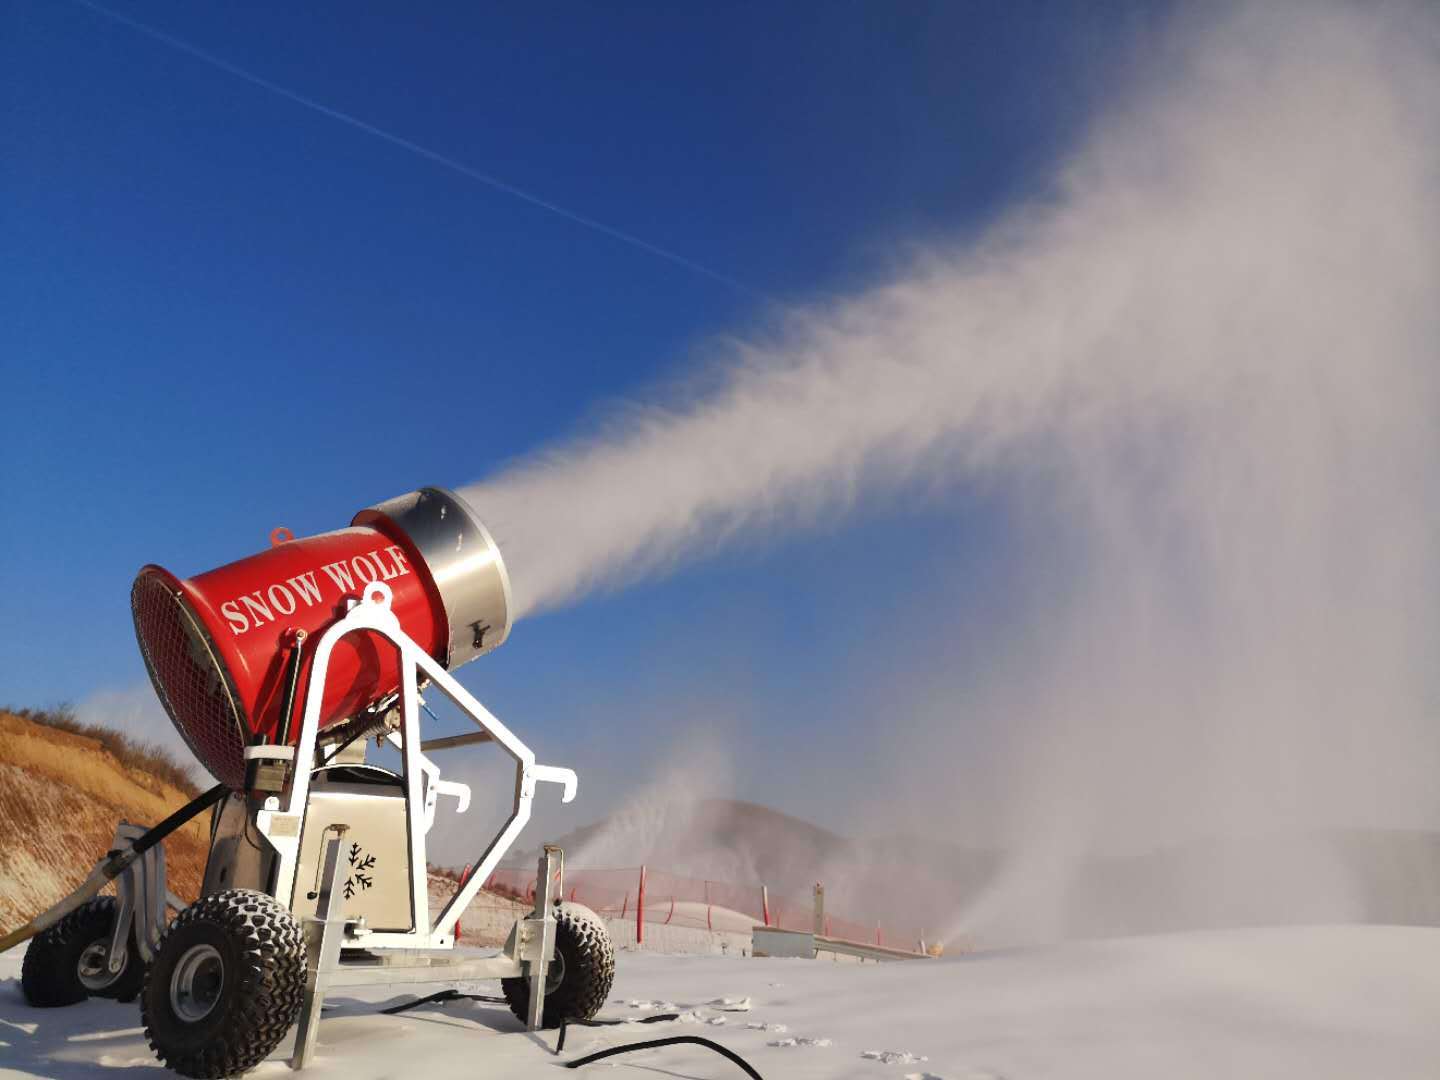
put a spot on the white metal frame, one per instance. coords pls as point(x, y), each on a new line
point(141, 897)
point(527, 953)
point(284, 828)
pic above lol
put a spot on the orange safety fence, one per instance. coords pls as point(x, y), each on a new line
point(697, 903)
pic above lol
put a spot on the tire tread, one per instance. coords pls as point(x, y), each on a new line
point(48, 975)
point(271, 988)
point(589, 970)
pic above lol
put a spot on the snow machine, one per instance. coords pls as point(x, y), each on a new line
point(316, 877)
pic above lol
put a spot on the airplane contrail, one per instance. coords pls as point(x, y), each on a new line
point(425, 152)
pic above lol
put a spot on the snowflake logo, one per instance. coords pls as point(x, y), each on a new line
point(359, 881)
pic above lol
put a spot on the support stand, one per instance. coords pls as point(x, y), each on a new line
point(537, 934)
point(324, 932)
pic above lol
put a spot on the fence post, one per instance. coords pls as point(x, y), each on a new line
point(878, 940)
point(765, 904)
point(625, 906)
point(819, 908)
point(709, 923)
point(672, 910)
point(640, 910)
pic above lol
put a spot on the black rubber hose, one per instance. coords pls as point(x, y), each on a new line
point(651, 1044)
point(439, 999)
point(195, 806)
point(112, 866)
point(674, 1040)
point(565, 1023)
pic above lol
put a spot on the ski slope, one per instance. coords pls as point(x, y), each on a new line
point(1307, 1004)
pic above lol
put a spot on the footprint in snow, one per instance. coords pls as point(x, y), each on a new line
point(800, 1041)
point(779, 1029)
point(894, 1057)
point(730, 1004)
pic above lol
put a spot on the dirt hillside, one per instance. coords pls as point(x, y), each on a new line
point(61, 795)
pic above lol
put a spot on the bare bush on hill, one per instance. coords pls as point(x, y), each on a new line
point(133, 753)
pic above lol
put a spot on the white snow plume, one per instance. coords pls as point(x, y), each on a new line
point(1240, 256)
point(653, 814)
point(1209, 364)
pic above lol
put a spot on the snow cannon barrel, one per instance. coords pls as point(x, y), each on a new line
point(218, 645)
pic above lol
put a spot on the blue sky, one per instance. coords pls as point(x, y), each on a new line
point(226, 312)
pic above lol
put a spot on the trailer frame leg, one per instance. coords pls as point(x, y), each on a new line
point(324, 934)
point(537, 935)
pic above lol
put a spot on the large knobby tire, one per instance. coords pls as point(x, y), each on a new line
point(580, 975)
point(226, 985)
point(70, 961)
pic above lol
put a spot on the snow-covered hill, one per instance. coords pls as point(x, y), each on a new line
point(1301, 1003)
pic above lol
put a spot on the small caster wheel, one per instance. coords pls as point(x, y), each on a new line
point(71, 961)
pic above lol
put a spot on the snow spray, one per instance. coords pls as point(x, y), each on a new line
point(1214, 339)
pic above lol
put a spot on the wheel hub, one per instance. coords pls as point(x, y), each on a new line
point(196, 983)
point(93, 967)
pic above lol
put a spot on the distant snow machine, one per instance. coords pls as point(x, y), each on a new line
point(316, 876)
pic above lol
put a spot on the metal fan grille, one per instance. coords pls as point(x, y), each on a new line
point(189, 678)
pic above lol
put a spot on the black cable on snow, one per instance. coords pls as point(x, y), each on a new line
point(673, 1040)
point(439, 999)
point(565, 1022)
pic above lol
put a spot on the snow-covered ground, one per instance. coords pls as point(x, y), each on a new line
point(1307, 1003)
